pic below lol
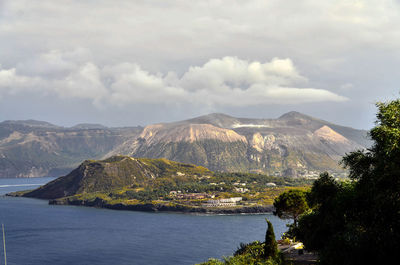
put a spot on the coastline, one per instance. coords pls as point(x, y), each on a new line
point(153, 207)
point(160, 207)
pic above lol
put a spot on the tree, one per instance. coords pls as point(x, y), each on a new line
point(323, 190)
point(291, 204)
point(270, 247)
point(377, 176)
point(326, 227)
point(358, 222)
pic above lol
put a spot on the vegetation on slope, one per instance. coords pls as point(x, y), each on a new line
point(117, 172)
point(121, 181)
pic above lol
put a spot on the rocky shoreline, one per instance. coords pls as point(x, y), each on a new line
point(151, 207)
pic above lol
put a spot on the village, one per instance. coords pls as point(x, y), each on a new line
point(218, 199)
point(201, 198)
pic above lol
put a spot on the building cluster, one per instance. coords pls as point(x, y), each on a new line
point(223, 202)
point(190, 196)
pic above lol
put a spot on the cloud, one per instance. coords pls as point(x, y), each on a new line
point(129, 83)
point(157, 34)
point(83, 83)
point(172, 53)
point(54, 62)
point(12, 83)
point(234, 72)
point(228, 81)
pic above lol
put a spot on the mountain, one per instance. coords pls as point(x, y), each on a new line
point(292, 145)
point(116, 173)
point(30, 123)
point(35, 148)
point(88, 126)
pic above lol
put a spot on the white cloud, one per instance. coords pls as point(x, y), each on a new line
point(12, 83)
point(228, 81)
point(84, 82)
point(129, 83)
point(237, 73)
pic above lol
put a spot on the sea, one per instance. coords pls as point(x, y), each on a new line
point(37, 233)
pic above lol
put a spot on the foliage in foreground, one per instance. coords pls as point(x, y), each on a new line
point(358, 222)
point(254, 253)
point(241, 260)
point(248, 254)
point(270, 245)
point(291, 204)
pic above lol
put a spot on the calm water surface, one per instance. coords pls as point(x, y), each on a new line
point(41, 234)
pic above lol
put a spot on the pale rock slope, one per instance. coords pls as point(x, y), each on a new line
point(188, 133)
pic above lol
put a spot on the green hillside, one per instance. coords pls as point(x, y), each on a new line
point(117, 173)
point(123, 182)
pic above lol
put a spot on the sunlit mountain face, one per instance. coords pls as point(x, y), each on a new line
point(291, 145)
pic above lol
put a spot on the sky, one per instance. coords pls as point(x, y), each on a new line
point(128, 63)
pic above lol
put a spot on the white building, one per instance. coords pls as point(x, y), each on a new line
point(223, 202)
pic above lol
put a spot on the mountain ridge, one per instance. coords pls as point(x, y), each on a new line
point(288, 145)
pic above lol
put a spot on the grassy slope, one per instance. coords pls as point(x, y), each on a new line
point(117, 172)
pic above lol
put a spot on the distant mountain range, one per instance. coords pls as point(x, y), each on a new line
point(292, 145)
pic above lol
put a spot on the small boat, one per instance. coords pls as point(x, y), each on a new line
point(4, 245)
